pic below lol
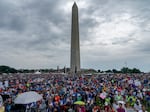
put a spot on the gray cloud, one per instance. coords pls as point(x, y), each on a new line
point(35, 33)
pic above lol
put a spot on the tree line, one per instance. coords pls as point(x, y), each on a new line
point(122, 70)
point(7, 69)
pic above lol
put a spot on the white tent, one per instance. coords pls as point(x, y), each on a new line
point(37, 72)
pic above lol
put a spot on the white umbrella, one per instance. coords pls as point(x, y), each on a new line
point(27, 97)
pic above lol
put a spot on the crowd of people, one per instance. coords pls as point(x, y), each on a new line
point(97, 92)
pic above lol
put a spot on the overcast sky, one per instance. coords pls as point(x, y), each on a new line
point(37, 33)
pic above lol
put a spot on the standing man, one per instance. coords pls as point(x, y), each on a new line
point(120, 109)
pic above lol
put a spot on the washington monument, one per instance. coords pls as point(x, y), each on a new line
point(75, 44)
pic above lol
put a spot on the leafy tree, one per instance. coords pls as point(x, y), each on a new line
point(128, 70)
point(99, 71)
point(7, 69)
point(115, 71)
point(135, 70)
point(125, 70)
point(108, 71)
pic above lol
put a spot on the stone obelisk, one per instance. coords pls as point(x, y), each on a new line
point(75, 44)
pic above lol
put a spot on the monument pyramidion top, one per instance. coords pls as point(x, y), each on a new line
point(75, 5)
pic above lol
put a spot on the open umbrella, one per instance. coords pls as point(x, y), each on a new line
point(79, 103)
point(27, 97)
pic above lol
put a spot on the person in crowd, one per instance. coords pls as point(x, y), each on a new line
point(8, 105)
point(120, 109)
point(59, 91)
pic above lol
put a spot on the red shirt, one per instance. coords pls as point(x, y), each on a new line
point(120, 110)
